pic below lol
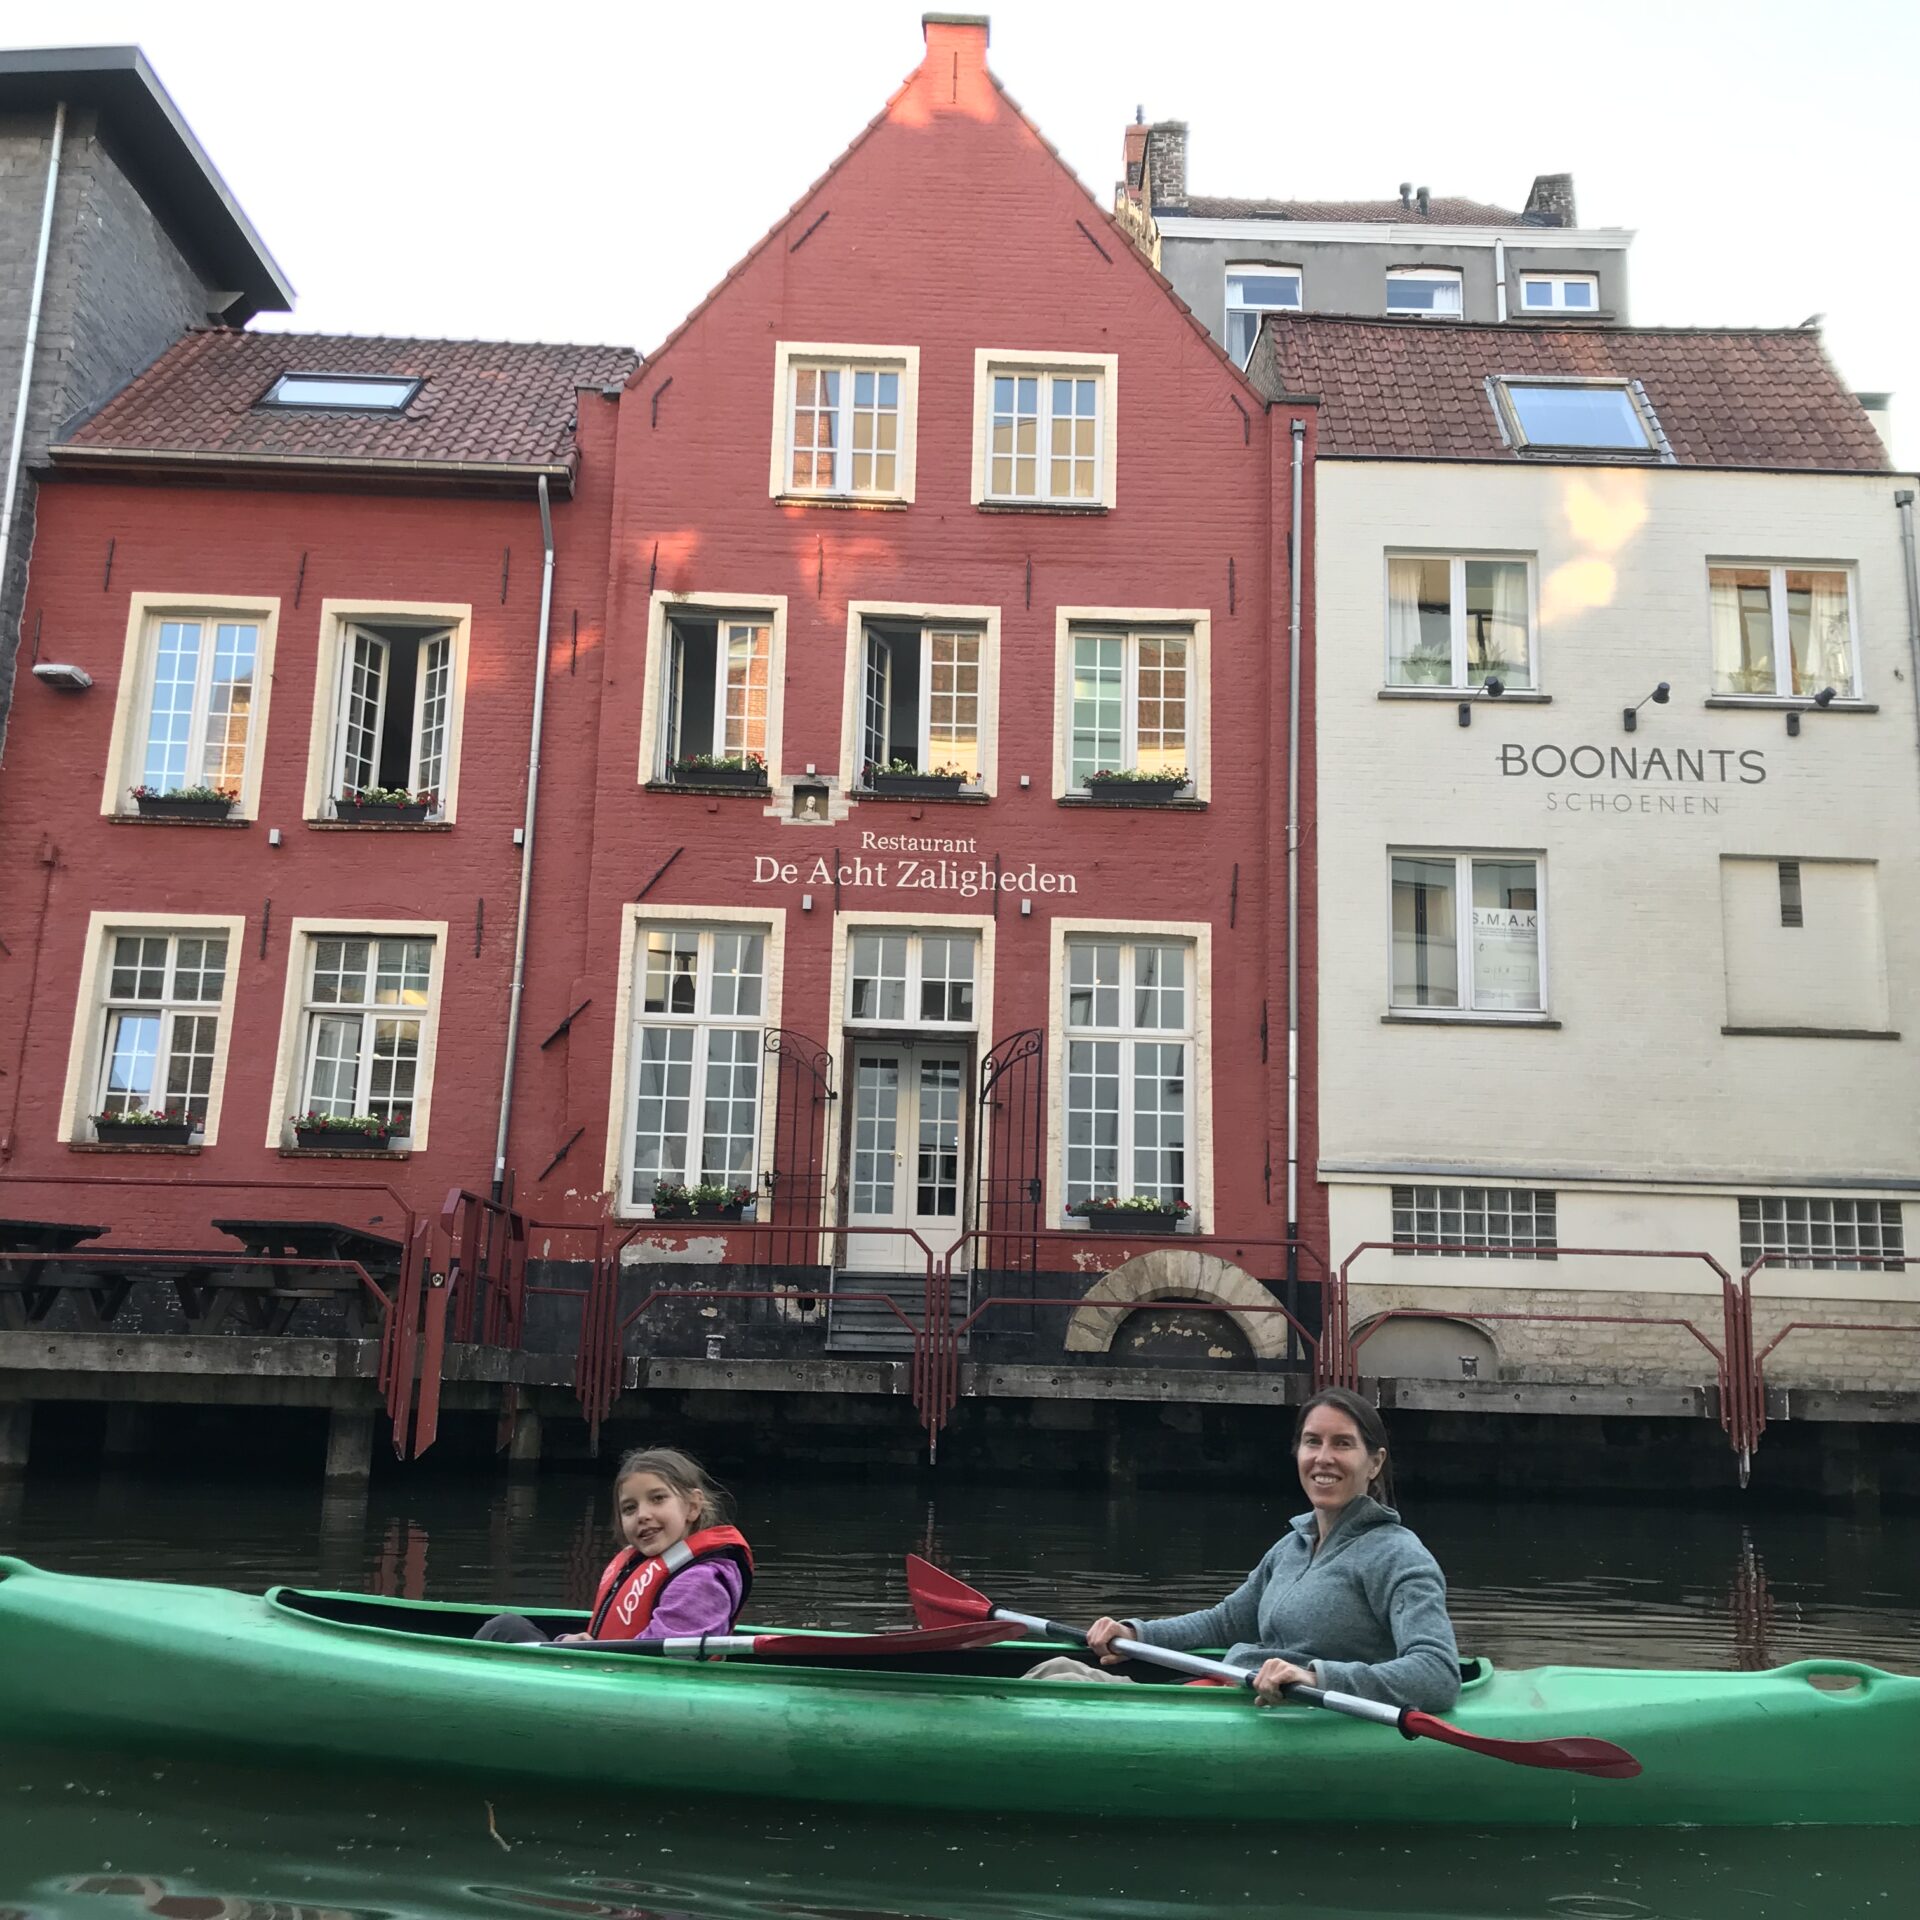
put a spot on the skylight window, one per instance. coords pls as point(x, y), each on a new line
point(350, 392)
point(1591, 416)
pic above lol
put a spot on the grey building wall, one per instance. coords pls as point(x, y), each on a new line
point(118, 293)
point(1350, 276)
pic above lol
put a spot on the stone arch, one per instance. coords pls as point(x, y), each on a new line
point(1428, 1349)
point(1168, 1273)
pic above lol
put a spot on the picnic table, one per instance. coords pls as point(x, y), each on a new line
point(29, 1287)
point(266, 1297)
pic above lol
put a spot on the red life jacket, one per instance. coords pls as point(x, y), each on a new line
point(631, 1587)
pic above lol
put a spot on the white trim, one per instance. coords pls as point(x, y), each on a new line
point(89, 1020)
point(1394, 234)
point(986, 361)
point(323, 736)
point(133, 692)
point(1463, 859)
point(774, 607)
point(290, 1056)
point(929, 614)
point(1199, 683)
point(1457, 558)
point(1558, 281)
point(1200, 934)
point(769, 921)
point(1777, 570)
point(904, 361)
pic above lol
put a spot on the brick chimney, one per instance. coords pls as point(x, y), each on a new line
point(956, 46)
point(1166, 165)
point(1550, 204)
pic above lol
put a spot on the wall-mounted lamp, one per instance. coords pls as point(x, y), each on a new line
point(1630, 716)
point(1493, 687)
point(62, 674)
point(1823, 699)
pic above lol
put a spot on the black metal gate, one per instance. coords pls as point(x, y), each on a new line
point(1010, 1154)
point(796, 1180)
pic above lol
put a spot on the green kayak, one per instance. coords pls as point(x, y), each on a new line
point(341, 1680)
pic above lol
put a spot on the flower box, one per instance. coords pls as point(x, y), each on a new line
point(737, 779)
point(699, 1210)
point(1144, 793)
point(1131, 1220)
point(340, 1139)
point(170, 806)
point(917, 786)
point(143, 1133)
point(382, 812)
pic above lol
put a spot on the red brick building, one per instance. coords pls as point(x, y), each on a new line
point(912, 830)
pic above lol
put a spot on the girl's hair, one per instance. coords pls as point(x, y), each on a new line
point(1373, 1432)
point(684, 1474)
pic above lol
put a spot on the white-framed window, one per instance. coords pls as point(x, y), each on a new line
point(1251, 292)
point(695, 1064)
point(1044, 429)
point(1129, 1046)
point(1833, 1235)
point(844, 421)
point(343, 392)
point(197, 718)
point(163, 995)
point(716, 698)
point(1459, 620)
point(1544, 413)
point(1490, 1223)
point(1130, 693)
point(922, 697)
point(900, 978)
point(392, 713)
point(366, 1009)
point(1467, 933)
point(1425, 293)
point(1559, 292)
point(1783, 630)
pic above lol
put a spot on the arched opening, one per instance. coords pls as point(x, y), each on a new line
point(1427, 1350)
point(1249, 1328)
point(1172, 1333)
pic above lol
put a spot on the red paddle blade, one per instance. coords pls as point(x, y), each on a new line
point(872, 1646)
point(939, 1599)
point(1577, 1754)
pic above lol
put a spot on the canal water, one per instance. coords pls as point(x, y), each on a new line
point(90, 1837)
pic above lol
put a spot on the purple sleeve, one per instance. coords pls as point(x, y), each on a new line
point(700, 1600)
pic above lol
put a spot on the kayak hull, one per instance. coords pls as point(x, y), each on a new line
point(144, 1665)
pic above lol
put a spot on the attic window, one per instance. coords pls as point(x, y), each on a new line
point(343, 392)
point(1591, 416)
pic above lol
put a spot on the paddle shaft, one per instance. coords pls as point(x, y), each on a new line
point(1199, 1665)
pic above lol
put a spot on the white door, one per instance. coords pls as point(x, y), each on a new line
point(906, 1154)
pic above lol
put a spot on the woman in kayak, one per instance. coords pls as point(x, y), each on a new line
point(681, 1571)
point(1347, 1599)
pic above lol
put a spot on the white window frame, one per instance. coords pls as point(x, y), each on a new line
point(133, 695)
point(1197, 623)
point(1265, 269)
point(930, 617)
point(369, 1011)
point(1777, 571)
point(1556, 285)
point(1809, 1259)
point(291, 1057)
point(1444, 275)
point(1509, 414)
point(86, 1058)
point(1103, 367)
point(922, 754)
point(339, 618)
point(1457, 560)
point(848, 359)
point(654, 730)
point(1531, 1203)
point(911, 1018)
point(1463, 859)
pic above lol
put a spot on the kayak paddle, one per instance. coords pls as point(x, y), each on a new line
point(952, 1637)
point(939, 1599)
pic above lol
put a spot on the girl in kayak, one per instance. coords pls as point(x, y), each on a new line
point(1347, 1599)
point(681, 1571)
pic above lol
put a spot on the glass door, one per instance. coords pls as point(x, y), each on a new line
point(906, 1154)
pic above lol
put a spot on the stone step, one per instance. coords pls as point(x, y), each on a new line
point(869, 1326)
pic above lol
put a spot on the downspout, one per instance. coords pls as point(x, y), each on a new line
point(1903, 501)
point(526, 844)
point(1293, 858)
point(33, 337)
point(1499, 279)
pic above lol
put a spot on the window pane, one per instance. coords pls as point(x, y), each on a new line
point(392, 1070)
point(1506, 936)
point(364, 391)
point(1093, 983)
point(1420, 622)
point(436, 685)
point(403, 969)
point(816, 421)
point(1160, 987)
point(876, 1134)
point(1254, 288)
point(1093, 1119)
point(729, 1130)
point(1577, 417)
point(362, 712)
point(748, 650)
point(1742, 619)
point(190, 1063)
point(223, 759)
point(663, 1075)
point(1435, 293)
point(878, 989)
point(139, 967)
point(1159, 1120)
point(1496, 595)
point(340, 971)
point(200, 968)
point(739, 962)
point(953, 703)
point(1160, 738)
point(1426, 971)
point(333, 1075)
point(937, 1151)
point(133, 1048)
point(176, 674)
point(1577, 293)
point(1536, 293)
point(1819, 631)
point(1099, 698)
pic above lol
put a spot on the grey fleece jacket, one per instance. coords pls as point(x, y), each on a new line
point(1368, 1612)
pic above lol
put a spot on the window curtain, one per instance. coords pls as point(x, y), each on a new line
point(1729, 639)
point(1497, 592)
point(1403, 621)
point(1823, 648)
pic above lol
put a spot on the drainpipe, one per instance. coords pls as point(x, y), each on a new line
point(1903, 501)
point(33, 338)
point(1499, 279)
point(526, 843)
point(1293, 855)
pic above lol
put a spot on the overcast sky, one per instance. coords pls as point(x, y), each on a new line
point(581, 171)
